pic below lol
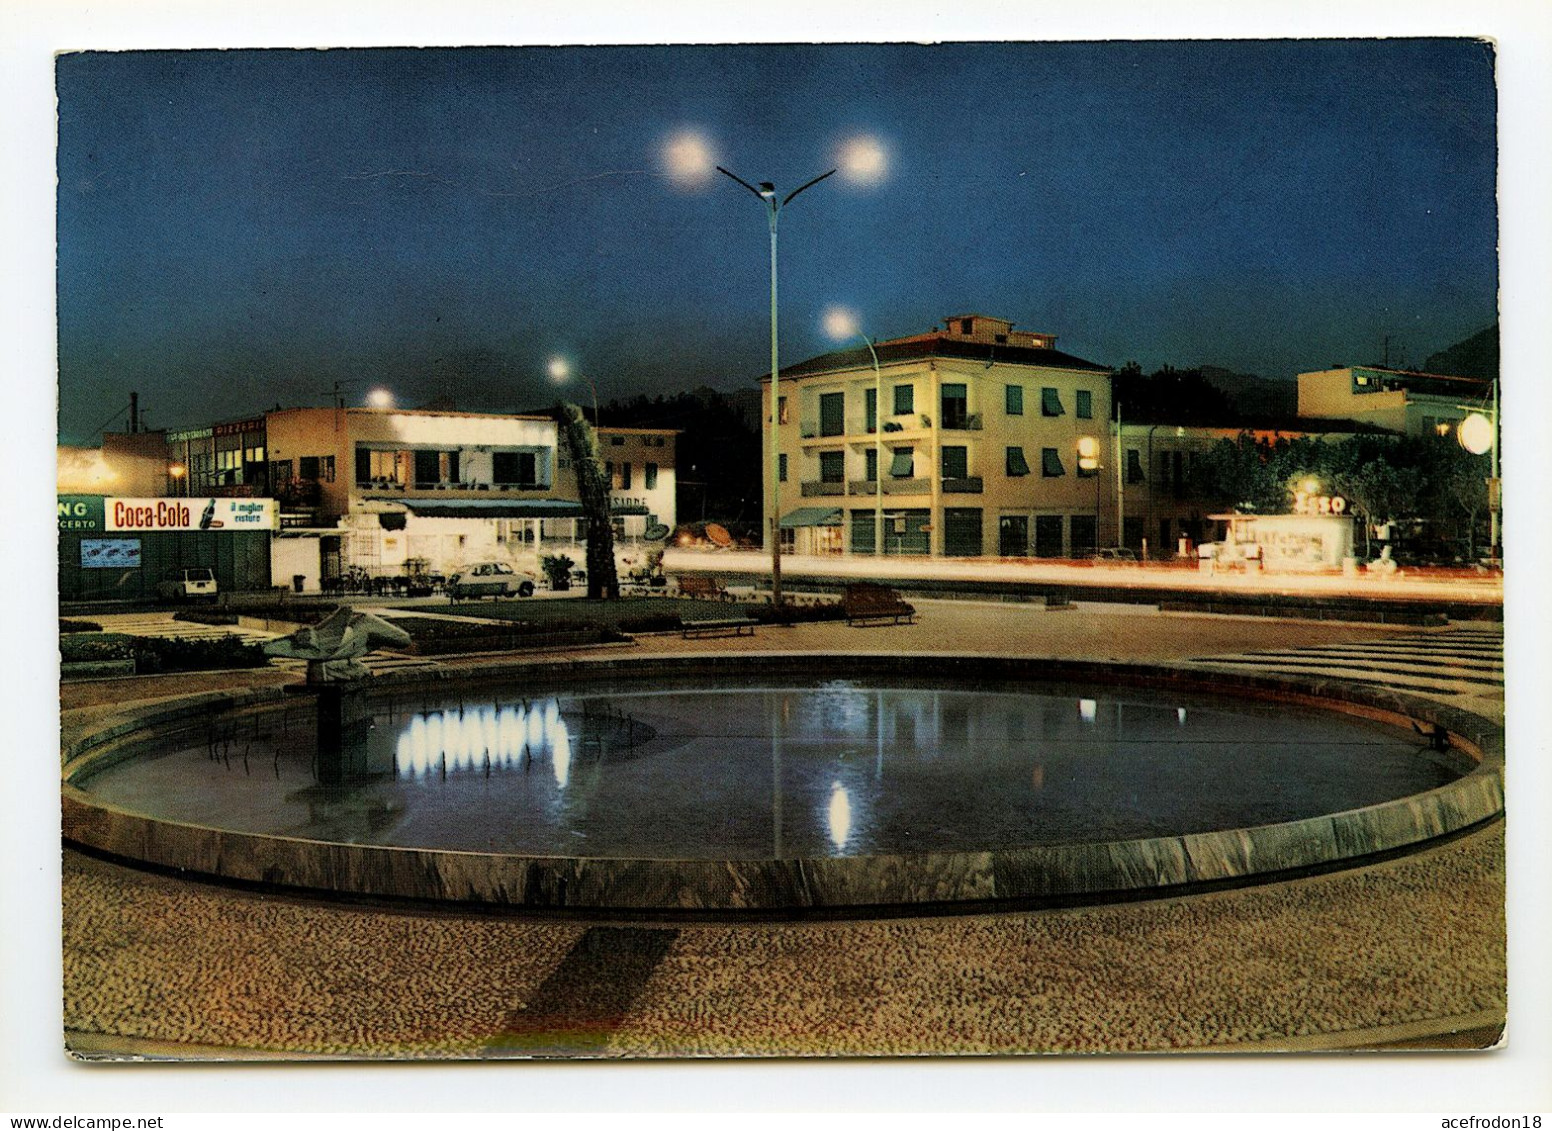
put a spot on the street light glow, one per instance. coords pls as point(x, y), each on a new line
point(863, 161)
point(840, 323)
point(688, 159)
point(1475, 434)
point(380, 398)
point(560, 370)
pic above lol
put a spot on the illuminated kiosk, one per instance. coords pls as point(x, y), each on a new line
point(1287, 543)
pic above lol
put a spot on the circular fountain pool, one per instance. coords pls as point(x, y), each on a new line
point(768, 787)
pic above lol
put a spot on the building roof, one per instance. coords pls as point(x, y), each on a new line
point(923, 346)
point(1413, 381)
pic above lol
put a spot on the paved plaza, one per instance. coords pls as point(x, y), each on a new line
point(1404, 952)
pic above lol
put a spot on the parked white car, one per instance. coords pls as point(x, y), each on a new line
point(489, 579)
point(187, 584)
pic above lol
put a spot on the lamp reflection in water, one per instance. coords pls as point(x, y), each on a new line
point(484, 739)
point(839, 815)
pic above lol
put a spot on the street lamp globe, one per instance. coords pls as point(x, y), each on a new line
point(380, 398)
point(1475, 434)
point(840, 323)
point(688, 159)
point(559, 370)
point(863, 160)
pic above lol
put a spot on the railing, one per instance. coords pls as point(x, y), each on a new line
point(969, 485)
point(962, 422)
point(813, 487)
point(891, 487)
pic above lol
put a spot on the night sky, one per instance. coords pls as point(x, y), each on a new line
point(242, 228)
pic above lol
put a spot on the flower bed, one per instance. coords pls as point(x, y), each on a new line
point(435, 637)
point(152, 655)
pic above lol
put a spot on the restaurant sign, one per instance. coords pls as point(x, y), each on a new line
point(191, 514)
point(80, 512)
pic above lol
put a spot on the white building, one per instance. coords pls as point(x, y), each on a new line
point(389, 490)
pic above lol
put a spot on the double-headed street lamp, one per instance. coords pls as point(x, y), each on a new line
point(840, 324)
point(767, 195)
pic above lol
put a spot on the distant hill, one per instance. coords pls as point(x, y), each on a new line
point(1477, 356)
point(1252, 395)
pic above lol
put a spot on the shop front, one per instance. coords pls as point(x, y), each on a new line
point(121, 549)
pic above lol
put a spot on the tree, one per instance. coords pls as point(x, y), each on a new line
point(582, 444)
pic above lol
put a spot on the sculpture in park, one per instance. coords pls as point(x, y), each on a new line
point(333, 648)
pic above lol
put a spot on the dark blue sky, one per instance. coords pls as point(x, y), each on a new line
point(245, 227)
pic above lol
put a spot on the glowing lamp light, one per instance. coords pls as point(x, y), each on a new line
point(559, 369)
point(1310, 486)
point(177, 470)
point(863, 161)
point(840, 323)
point(1476, 434)
point(1088, 709)
point(379, 398)
point(688, 159)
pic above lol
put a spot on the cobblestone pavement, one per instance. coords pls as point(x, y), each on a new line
point(1396, 953)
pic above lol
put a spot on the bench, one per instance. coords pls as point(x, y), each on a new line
point(734, 626)
point(866, 602)
point(702, 586)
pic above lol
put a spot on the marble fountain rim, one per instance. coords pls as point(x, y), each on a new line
point(1100, 870)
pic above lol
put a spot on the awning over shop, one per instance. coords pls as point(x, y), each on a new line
point(811, 516)
point(495, 508)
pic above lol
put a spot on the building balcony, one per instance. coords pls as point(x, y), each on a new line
point(813, 487)
point(969, 485)
point(962, 422)
point(388, 488)
point(891, 487)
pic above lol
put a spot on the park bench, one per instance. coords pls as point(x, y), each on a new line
point(702, 586)
point(866, 601)
point(733, 626)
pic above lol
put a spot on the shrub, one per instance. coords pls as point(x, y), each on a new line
point(88, 649)
point(204, 616)
point(77, 626)
point(172, 655)
point(651, 622)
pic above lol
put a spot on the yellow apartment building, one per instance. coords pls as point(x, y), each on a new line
point(968, 439)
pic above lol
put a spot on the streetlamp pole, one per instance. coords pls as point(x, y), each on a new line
point(878, 450)
point(1495, 490)
point(767, 194)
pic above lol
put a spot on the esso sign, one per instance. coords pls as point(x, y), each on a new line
point(1305, 503)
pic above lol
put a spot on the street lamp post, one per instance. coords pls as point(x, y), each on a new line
point(840, 324)
point(767, 195)
point(1479, 435)
point(1088, 460)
